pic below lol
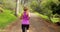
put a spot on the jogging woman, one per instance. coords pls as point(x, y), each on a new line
point(25, 20)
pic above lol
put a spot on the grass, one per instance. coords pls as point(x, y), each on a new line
point(43, 16)
point(54, 20)
point(5, 18)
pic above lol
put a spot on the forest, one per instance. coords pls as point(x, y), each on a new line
point(10, 10)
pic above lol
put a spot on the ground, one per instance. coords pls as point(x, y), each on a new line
point(37, 24)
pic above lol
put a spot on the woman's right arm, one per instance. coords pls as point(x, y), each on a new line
point(28, 15)
point(21, 16)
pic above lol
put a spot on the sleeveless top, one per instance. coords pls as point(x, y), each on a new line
point(25, 19)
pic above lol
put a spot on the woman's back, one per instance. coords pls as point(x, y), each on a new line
point(25, 18)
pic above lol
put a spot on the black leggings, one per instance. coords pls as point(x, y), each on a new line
point(25, 27)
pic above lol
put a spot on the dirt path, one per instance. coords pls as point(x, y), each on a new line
point(37, 24)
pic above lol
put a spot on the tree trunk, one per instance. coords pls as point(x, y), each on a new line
point(17, 8)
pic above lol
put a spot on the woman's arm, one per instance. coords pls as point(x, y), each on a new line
point(28, 15)
point(21, 16)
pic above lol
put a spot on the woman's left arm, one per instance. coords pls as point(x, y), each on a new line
point(29, 15)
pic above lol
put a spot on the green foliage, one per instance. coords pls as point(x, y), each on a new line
point(7, 12)
point(35, 6)
point(1, 10)
point(9, 4)
point(6, 18)
point(55, 8)
point(46, 7)
point(55, 20)
point(40, 15)
point(49, 6)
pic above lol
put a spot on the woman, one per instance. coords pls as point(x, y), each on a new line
point(25, 20)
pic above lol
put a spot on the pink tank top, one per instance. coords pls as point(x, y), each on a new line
point(25, 19)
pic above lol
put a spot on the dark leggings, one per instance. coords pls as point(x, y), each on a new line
point(25, 27)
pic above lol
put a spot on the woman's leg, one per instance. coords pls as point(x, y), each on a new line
point(23, 28)
point(27, 28)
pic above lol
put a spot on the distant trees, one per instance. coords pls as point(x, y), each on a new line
point(46, 7)
point(9, 4)
point(12, 5)
point(35, 5)
point(23, 2)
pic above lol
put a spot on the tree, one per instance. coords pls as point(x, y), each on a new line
point(17, 7)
